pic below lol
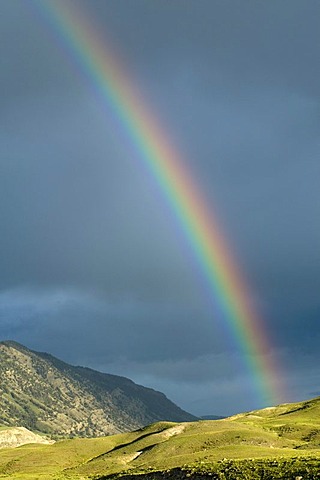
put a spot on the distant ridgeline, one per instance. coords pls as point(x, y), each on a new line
point(211, 417)
point(44, 394)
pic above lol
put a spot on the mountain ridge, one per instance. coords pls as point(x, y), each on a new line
point(43, 393)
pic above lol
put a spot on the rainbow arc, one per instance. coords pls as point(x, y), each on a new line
point(117, 91)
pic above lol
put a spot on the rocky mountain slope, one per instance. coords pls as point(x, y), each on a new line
point(44, 394)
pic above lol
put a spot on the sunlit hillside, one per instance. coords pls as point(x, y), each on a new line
point(284, 440)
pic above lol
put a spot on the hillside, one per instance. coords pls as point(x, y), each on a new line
point(275, 443)
point(44, 394)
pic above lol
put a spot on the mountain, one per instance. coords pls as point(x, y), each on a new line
point(275, 443)
point(44, 394)
point(212, 417)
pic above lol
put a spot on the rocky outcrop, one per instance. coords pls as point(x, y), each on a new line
point(17, 436)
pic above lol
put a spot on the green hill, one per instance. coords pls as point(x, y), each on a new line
point(273, 443)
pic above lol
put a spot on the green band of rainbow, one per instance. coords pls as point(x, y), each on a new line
point(112, 83)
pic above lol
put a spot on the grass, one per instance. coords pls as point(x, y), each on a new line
point(281, 442)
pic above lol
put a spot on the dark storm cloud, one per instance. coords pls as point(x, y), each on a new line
point(95, 205)
point(29, 67)
point(172, 333)
point(248, 36)
point(89, 248)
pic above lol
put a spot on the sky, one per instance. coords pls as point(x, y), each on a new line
point(94, 267)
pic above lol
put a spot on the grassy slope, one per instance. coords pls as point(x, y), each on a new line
point(287, 431)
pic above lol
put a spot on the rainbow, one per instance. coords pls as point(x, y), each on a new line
point(113, 85)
